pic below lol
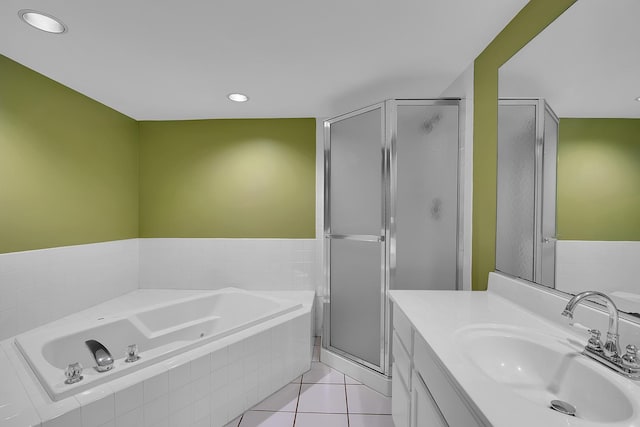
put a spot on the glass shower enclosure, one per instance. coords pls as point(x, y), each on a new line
point(526, 190)
point(392, 204)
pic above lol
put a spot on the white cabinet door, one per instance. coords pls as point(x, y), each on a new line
point(425, 412)
point(400, 400)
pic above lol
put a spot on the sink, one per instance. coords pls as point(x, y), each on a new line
point(541, 367)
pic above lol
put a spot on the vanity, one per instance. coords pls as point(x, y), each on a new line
point(501, 357)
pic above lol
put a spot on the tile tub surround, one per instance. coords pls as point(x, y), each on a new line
point(43, 285)
point(209, 385)
point(208, 263)
point(253, 264)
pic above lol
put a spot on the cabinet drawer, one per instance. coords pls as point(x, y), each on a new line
point(400, 400)
point(403, 327)
point(401, 360)
point(455, 409)
point(424, 411)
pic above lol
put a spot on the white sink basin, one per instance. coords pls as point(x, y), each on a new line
point(542, 368)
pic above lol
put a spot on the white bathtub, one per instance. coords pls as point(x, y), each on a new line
point(160, 331)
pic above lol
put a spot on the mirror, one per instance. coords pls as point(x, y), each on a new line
point(585, 67)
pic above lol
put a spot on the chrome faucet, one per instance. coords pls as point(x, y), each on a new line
point(104, 361)
point(609, 353)
point(611, 347)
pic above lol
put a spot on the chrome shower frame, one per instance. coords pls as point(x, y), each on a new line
point(387, 236)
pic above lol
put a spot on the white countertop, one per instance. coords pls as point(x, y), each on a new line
point(439, 315)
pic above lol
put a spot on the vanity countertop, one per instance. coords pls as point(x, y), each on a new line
point(441, 316)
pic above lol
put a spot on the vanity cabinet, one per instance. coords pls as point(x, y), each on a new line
point(423, 394)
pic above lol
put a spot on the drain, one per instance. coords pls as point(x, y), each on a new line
point(563, 407)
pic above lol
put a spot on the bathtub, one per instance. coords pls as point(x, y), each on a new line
point(161, 330)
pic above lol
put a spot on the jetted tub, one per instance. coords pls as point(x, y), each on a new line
point(160, 331)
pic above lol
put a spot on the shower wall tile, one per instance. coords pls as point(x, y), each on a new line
point(43, 285)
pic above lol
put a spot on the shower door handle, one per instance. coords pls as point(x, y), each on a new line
point(358, 237)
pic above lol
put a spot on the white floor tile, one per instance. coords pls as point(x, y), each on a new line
point(321, 373)
point(321, 420)
point(267, 419)
point(284, 399)
point(326, 398)
point(349, 380)
point(363, 400)
point(360, 420)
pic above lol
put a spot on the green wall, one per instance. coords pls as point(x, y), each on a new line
point(68, 165)
point(73, 171)
point(531, 20)
point(228, 178)
point(599, 179)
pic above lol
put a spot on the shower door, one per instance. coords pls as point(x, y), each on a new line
point(355, 191)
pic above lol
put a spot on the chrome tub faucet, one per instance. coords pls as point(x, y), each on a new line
point(104, 361)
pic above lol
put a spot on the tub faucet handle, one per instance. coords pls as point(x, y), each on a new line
point(132, 353)
point(73, 373)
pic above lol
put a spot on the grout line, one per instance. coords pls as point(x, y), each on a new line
point(346, 401)
point(295, 414)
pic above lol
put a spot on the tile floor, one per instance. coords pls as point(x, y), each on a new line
point(319, 398)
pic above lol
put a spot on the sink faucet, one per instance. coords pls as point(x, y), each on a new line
point(611, 347)
point(104, 361)
point(609, 354)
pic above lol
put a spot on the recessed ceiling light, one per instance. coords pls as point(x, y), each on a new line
point(42, 21)
point(238, 97)
point(638, 99)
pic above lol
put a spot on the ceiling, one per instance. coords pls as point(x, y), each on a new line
point(586, 63)
point(163, 60)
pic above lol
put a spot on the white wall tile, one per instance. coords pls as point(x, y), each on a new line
point(128, 399)
point(597, 265)
point(200, 367)
point(134, 418)
point(182, 417)
point(179, 376)
point(69, 419)
point(201, 408)
point(180, 398)
point(156, 411)
point(97, 406)
point(155, 387)
point(43, 285)
point(257, 264)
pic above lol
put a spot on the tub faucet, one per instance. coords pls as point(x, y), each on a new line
point(104, 361)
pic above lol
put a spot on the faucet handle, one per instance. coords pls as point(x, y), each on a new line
point(631, 357)
point(73, 373)
point(594, 342)
point(132, 353)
